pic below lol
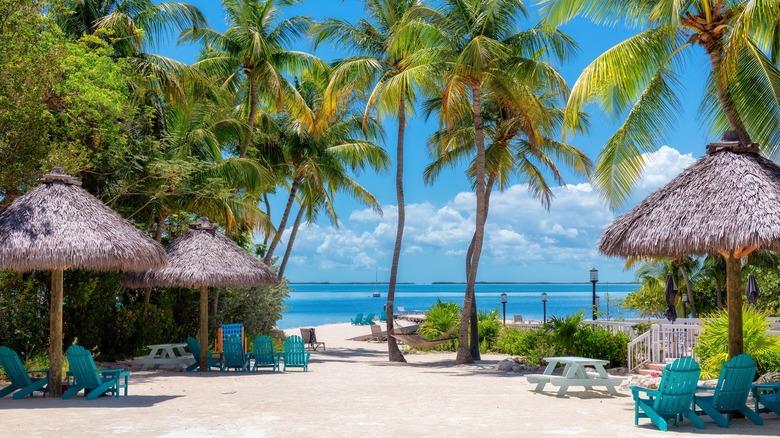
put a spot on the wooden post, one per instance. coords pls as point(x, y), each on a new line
point(204, 329)
point(734, 303)
point(55, 334)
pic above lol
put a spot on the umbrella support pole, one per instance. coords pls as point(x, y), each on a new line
point(734, 302)
point(55, 334)
point(204, 329)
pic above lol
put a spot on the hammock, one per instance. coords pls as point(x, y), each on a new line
point(418, 341)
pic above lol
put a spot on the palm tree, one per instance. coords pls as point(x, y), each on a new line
point(484, 54)
point(251, 58)
point(638, 77)
point(397, 57)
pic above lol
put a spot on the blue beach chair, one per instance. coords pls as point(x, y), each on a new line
point(731, 392)
point(86, 376)
point(295, 354)
point(673, 398)
point(22, 384)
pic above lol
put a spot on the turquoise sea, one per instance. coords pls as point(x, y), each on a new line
point(317, 304)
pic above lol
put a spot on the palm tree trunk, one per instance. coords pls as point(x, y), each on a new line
point(394, 353)
point(158, 233)
point(283, 223)
point(688, 286)
point(288, 250)
point(464, 353)
point(268, 213)
point(203, 355)
point(715, 52)
point(252, 114)
point(734, 302)
point(474, 322)
point(718, 292)
point(55, 334)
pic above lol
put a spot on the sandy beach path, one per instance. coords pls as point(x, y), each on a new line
point(350, 390)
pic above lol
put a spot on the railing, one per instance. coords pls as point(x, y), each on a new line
point(639, 351)
point(672, 341)
point(626, 327)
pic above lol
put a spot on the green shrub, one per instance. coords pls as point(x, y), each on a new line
point(712, 348)
point(599, 343)
point(768, 362)
point(441, 320)
point(565, 331)
point(488, 326)
point(535, 345)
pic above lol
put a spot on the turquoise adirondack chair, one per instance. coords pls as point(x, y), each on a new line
point(766, 394)
point(369, 319)
point(234, 355)
point(86, 376)
point(22, 384)
point(673, 398)
point(383, 316)
point(731, 392)
point(264, 354)
point(295, 354)
point(194, 346)
point(358, 319)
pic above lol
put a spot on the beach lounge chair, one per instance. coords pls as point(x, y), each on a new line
point(215, 359)
point(295, 354)
point(768, 396)
point(673, 398)
point(358, 319)
point(369, 319)
point(731, 392)
point(233, 354)
point(22, 384)
point(377, 334)
point(401, 310)
point(310, 338)
point(84, 375)
point(264, 354)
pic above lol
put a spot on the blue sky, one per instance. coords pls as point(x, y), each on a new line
point(524, 242)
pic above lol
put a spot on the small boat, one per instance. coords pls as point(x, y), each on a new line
point(376, 293)
point(376, 285)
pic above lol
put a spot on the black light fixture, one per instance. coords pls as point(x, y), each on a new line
point(503, 302)
point(594, 278)
point(544, 306)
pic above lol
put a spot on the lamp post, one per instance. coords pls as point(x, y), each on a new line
point(596, 307)
point(503, 302)
point(594, 278)
point(544, 306)
point(685, 301)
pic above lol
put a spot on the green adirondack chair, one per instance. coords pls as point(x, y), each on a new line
point(369, 319)
point(215, 359)
point(22, 384)
point(358, 319)
point(766, 394)
point(673, 398)
point(264, 354)
point(731, 392)
point(295, 354)
point(86, 376)
point(233, 354)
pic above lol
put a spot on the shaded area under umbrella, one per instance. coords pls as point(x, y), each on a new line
point(201, 258)
point(751, 291)
point(727, 202)
point(671, 299)
point(58, 226)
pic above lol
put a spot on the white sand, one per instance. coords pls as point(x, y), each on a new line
point(350, 390)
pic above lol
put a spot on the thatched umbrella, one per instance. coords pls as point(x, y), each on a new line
point(727, 202)
point(58, 226)
point(200, 258)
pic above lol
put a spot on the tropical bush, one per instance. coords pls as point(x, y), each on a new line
point(565, 331)
point(441, 320)
point(712, 348)
point(535, 345)
point(488, 326)
point(599, 343)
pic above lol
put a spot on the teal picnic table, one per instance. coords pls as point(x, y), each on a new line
point(574, 374)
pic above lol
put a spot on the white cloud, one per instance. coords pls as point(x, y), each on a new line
point(661, 166)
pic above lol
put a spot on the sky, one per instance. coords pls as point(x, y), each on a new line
point(524, 242)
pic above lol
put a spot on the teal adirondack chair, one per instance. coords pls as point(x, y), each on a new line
point(295, 354)
point(383, 316)
point(358, 319)
point(673, 398)
point(766, 394)
point(22, 384)
point(731, 392)
point(264, 354)
point(86, 376)
point(194, 346)
point(234, 355)
point(369, 319)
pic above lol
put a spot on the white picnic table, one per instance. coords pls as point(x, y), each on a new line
point(165, 356)
point(574, 374)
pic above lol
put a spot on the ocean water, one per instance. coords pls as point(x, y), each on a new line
point(317, 304)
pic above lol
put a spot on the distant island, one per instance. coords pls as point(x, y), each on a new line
point(463, 282)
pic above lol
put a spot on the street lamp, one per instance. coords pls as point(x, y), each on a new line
point(685, 301)
point(544, 306)
point(594, 278)
point(503, 302)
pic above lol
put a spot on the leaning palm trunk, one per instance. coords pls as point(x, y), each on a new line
point(688, 287)
point(252, 114)
point(464, 353)
point(394, 353)
point(283, 223)
point(474, 323)
point(293, 233)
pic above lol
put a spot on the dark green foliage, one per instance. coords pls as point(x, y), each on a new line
point(565, 331)
point(24, 312)
point(488, 326)
point(257, 308)
point(599, 343)
point(535, 345)
point(441, 320)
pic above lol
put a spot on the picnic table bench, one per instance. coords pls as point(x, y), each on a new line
point(574, 374)
point(165, 356)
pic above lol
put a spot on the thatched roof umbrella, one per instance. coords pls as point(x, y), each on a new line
point(58, 226)
point(200, 258)
point(727, 202)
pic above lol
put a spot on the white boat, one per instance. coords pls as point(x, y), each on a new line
point(376, 285)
